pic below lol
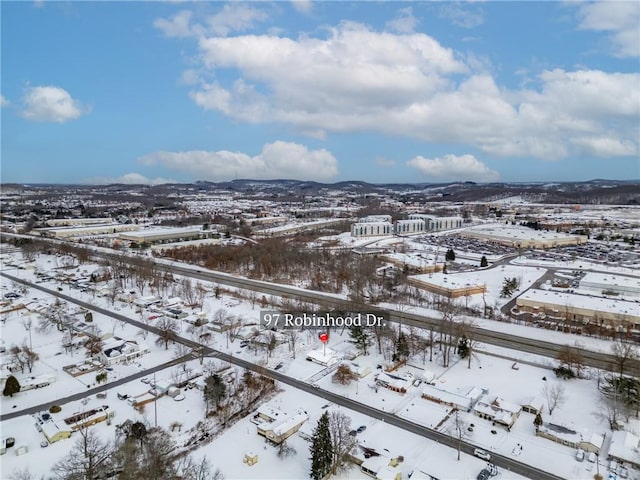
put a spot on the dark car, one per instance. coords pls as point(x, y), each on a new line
point(361, 428)
point(484, 474)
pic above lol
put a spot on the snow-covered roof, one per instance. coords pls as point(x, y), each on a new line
point(562, 300)
point(326, 357)
point(450, 281)
point(561, 432)
point(462, 397)
point(288, 423)
point(625, 446)
point(516, 232)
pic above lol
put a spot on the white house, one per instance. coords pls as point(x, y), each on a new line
point(324, 357)
point(119, 351)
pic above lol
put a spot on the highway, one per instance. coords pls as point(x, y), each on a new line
point(481, 335)
point(199, 350)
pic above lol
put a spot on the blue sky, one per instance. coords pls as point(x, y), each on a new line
point(150, 92)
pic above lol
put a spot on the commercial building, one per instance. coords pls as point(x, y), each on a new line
point(406, 227)
point(617, 315)
point(163, 235)
point(517, 236)
point(88, 231)
point(435, 224)
point(449, 286)
point(612, 284)
point(371, 229)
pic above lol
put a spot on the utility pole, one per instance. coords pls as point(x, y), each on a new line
point(155, 402)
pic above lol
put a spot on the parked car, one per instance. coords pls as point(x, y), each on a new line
point(478, 452)
point(484, 474)
point(179, 397)
point(361, 428)
point(580, 455)
point(592, 457)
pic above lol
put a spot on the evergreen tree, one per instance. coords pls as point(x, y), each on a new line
point(11, 386)
point(321, 450)
point(360, 338)
point(463, 347)
point(509, 285)
point(450, 255)
point(483, 261)
point(538, 420)
point(214, 389)
point(402, 348)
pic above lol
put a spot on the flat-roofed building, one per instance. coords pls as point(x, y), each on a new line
point(156, 235)
point(619, 315)
point(450, 286)
point(521, 237)
point(85, 231)
point(406, 227)
point(606, 282)
point(371, 229)
point(434, 224)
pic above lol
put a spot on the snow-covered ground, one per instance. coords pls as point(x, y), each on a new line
point(227, 450)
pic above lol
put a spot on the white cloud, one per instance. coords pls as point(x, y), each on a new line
point(179, 25)
point(462, 14)
point(276, 160)
point(620, 19)
point(405, 21)
point(452, 168)
point(355, 79)
point(3, 101)
point(127, 179)
point(50, 104)
point(233, 17)
point(303, 6)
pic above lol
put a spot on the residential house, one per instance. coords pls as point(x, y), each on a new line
point(498, 410)
point(461, 398)
point(279, 430)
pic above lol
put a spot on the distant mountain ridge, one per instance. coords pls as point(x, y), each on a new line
point(597, 191)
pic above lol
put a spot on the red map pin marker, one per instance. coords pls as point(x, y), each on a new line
point(324, 337)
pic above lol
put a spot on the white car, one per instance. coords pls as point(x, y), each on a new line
point(179, 397)
point(482, 454)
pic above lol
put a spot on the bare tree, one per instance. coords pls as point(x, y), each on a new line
point(202, 470)
point(292, 337)
point(167, 331)
point(188, 292)
point(16, 355)
point(624, 353)
point(554, 394)
point(29, 357)
point(447, 330)
point(23, 474)
point(341, 441)
point(612, 408)
point(461, 430)
point(571, 358)
point(89, 458)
